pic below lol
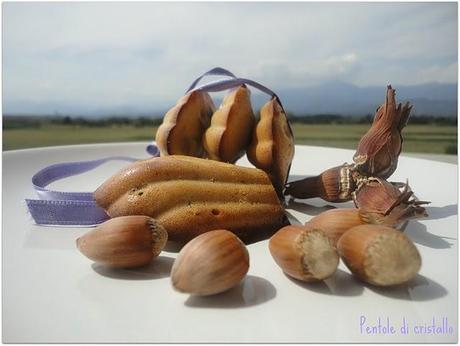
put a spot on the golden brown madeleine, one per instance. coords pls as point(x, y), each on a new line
point(183, 125)
point(272, 145)
point(190, 196)
point(209, 264)
point(306, 254)
point(124, 242)
point(333, 185)
point(231, 127)
point(379, 255)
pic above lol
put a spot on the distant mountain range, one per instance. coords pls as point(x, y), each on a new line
point(347, 99)
point(434, 99)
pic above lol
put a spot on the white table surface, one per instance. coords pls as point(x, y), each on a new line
point(52, 293)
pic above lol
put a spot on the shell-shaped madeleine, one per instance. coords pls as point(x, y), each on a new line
point(209, 264)
point(183, 125)
point(190, 196)
point(272, 145)
point(231, 127)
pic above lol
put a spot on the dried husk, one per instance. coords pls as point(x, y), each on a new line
point(378, 151)
point(385, 203)
point(333, 185)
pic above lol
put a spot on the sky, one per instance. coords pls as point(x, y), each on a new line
point(95, 56)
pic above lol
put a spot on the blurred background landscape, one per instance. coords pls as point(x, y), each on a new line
point(424, 134)
point(77, 73)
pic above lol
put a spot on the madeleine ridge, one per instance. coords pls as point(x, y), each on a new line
point(231, 127)
point(305, 254)
point(210, 263)
point(379, 255)
point(183, 125)
point(272, 145)
point(124, 242)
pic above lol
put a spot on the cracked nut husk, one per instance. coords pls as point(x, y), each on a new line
point(384, 202)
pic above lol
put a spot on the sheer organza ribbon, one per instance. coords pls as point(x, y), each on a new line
point(79, 208)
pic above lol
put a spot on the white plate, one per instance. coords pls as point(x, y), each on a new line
point(51, 293)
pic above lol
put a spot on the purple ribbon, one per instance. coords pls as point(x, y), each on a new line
point(79, 208)
point(69, 208)
point(216, 71)
point(226, 84)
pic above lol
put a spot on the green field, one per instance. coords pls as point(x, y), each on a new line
point(418, 138)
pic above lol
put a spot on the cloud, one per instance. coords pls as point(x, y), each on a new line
point(113, 54)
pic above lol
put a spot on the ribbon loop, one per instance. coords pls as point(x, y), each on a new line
point(67, 169)
point(216, 71)
point(225, 84)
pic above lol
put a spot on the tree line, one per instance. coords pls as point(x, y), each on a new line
point(18, 122)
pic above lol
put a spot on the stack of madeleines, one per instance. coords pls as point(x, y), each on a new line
point(194, 127)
